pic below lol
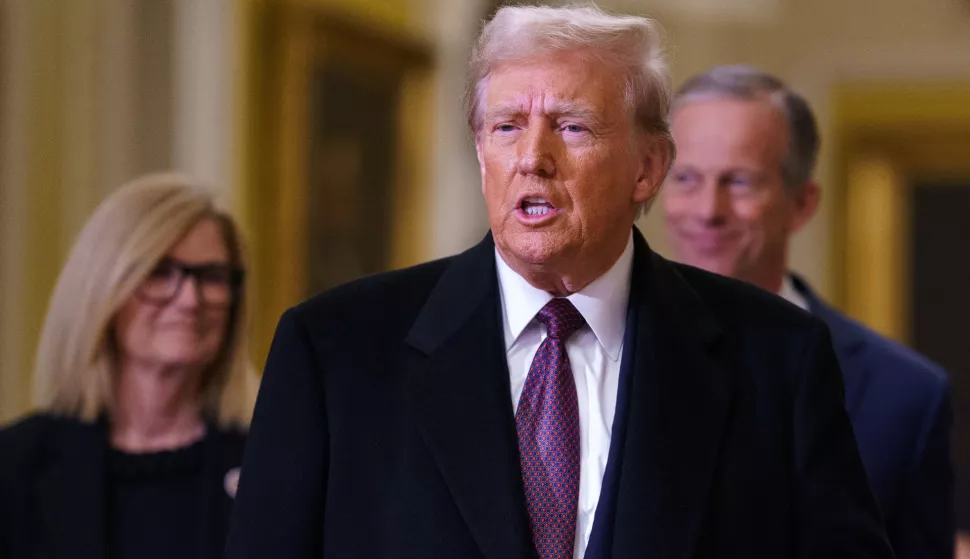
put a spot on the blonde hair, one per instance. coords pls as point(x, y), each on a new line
point(125, 238)
point(634, 43)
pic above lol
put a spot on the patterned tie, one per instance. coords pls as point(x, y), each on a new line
point(547, 423)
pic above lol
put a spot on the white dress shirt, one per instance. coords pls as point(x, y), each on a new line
point(594, 356)
point(790, 294)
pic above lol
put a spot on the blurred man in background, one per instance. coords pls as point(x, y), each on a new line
point(740, 187)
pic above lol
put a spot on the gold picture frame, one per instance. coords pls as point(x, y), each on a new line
point(339, 164)
point(889, 135)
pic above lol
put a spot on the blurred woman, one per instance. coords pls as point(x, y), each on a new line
point(143, 385)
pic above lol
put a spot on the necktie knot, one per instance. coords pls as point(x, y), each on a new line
point(560, 318)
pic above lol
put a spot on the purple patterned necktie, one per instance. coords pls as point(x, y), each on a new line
point(547, 423)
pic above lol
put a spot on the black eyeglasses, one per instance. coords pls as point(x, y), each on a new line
point(217, 284)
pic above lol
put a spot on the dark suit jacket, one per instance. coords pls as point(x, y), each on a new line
point(52, 489)
point(899, 404)
point(384, 427)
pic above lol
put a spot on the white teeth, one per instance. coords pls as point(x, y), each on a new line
point(536, 206)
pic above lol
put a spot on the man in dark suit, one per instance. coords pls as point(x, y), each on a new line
point(558, 391)
point(740, 187)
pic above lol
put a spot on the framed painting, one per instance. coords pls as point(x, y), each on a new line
point(339, 163)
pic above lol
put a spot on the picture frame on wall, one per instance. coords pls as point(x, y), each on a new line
point(339, 165)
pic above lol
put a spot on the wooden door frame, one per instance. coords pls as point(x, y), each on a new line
point(889, 136)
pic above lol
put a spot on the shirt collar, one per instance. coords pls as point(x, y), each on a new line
point(602, 303)
point(790, 294)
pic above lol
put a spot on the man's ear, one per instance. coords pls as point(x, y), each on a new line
point(805, 200)
point(655, 159)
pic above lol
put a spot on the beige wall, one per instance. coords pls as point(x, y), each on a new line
point(83, 106)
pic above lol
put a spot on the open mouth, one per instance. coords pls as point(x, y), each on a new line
point(534, 206)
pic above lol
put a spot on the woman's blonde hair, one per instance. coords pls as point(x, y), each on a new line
point(122, 242)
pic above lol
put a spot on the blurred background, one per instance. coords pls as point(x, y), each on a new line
point(335, 132)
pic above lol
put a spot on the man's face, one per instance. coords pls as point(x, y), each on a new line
point(563, 170)
point(727, 209)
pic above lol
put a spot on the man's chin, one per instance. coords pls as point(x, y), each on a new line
point(535, 248)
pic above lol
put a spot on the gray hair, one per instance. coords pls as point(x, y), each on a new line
point(746, 83)
point(634, 43)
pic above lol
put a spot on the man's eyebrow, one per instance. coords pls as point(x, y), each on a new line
point(580, 111)
point(557, 109)
point(504, 111)
point(568, 108)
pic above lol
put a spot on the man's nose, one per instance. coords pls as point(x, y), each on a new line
point(536, 151)
point(713, 203)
